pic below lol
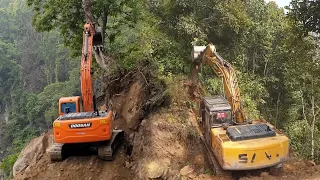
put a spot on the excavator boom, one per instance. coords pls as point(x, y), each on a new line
point(224, 70)
point(92, 38)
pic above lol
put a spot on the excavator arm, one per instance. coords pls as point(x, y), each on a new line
point(92, 38)
point(208, 55)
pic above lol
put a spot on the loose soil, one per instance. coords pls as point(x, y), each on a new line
point(161, 143)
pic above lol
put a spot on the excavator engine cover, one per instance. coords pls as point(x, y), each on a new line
point(81, 115)
point(246, 132)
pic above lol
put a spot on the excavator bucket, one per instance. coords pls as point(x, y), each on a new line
point(97, 38)
point(196, 52)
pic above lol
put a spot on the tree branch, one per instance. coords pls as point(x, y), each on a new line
point(104, 22)
point(105, 62)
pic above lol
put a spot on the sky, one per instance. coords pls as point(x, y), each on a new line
point(281, 3)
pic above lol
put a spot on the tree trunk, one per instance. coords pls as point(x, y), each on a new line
point(312, 127)
point(265, 69)
point(303, 108)
point(104, 22)
point(104, 61)
point(277, 113)
point(87, 6)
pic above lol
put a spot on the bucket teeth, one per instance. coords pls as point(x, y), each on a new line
point(97, 38)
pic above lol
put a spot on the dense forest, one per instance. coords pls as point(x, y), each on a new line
point(36, 70)
point(275, 54)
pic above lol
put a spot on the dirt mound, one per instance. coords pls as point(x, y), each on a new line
point(34, 163)
point(133, 95)
point(86, 167)
point(163, 145)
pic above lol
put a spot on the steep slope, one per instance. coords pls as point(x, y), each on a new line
point(133, 97)
point(160, 143)
point(126, 94)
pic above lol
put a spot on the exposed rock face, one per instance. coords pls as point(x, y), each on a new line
point(133, 96)
point(161, 148)
point(32, 153)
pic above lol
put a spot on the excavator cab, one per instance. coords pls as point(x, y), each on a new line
point(69, 105)
point(216, 112)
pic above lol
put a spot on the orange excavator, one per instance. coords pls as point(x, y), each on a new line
point(80, 124)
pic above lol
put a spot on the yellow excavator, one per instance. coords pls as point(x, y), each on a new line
point(232, 141)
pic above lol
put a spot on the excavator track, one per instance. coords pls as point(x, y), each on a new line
point(215, 166)
point(55, 152)
point(107, 150)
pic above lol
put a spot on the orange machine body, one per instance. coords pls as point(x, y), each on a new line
point(91, 129)
point(87, 125)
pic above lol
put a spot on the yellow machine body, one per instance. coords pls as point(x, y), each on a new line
point(249, 154)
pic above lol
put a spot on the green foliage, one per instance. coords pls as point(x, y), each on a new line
point(69, 18)
point(306, 13)
point(7, 163)
point(29, 62)
point(299, 133)
point(253, 94)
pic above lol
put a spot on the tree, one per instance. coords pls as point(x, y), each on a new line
point(29, 61)
point(69, 16)
point(306, 12)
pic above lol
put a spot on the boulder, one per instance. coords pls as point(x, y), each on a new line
point(199, 160)
point(32, 152)
point(186, 170)
point(156, 170)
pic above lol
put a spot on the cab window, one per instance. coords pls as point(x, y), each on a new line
point(221, 117)
point(68, 108)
